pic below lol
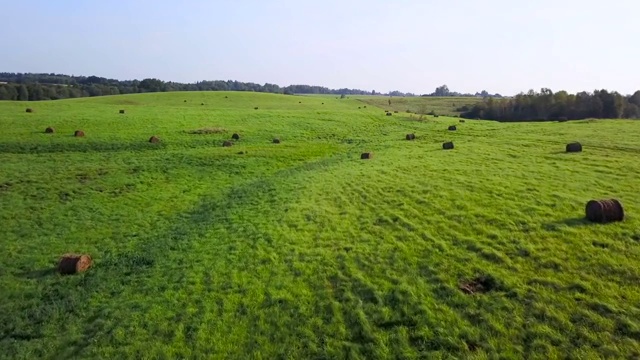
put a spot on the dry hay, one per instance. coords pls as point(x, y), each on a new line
point(452, 128)
point(29, 110)
point(78, 133)
point(121, 111)
point(205, 131)
point(227, 144)
point(366, 155)
point(235, 136)
point(447, 145)
point(154, 139)
point(604, 211)
point(411, 136)
point(276, 141)
point(574, 147)
point(478, 285)
point(74, 263)
point(49, 130)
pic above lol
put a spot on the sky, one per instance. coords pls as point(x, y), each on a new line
point(502, 46)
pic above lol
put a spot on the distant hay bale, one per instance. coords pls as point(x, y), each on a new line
point(121, 111)
point(226, 97)
point(359, 107)
point(574, 147)
point(201, 103)
point(395, 112)
point(447, 146)
point(227, 143)
point(462, 120)
point(389, 114)
point(365, 106)
point(452, 128)
point(235, 136)
point(49, 130)
point(411, 136)
point(70, 264)
point(185, 101)
point(78, 133)
point(255, 108)
point(276, 141)
point(604, 211)
point(154, 139)
point(365, 156)
point(29, 110)
point(241, 152)
point(322, 103)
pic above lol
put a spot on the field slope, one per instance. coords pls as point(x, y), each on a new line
point(302, 250)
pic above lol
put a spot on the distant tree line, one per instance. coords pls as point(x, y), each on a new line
point(29, 87)
point(444, 91)
point(547, 105)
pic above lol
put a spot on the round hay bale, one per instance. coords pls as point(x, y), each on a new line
point(235, 137)
point(227, 144)
point(411, 136)
point(276, 141)
point(78, 133)
point(70, 264)
point(322, 103)
point(121, 111)
point(185, 101)
point(359, 107)
point(49, 130)
point(462, 120)
point(154, 139)
point(29, 110)
point(201, 103)
point(604, 211)
point(447, 146)
point(452, 128)
point(365, 156)
point(389, 114)
point(365, 106)
point(574, 147)
point(299, 102)
point(255, 108)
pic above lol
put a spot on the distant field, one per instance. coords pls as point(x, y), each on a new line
point(302, 250)
point(439, 105)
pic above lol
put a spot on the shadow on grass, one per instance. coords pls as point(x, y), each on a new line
point(38, 274)
point(571, 222)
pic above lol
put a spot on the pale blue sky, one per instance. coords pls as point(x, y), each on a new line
point(504, 46)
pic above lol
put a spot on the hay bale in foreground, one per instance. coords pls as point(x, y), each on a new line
point(447, 146)
point(365, 156)
point(453, 128)
point(604, 211)
point(276, 141)
point(227, 144)
point(154, 139)
point(78, 133)
point(29, 110)
point(49, 130)
point(235, 136)
point(121, 111)
point(574, 147)
point(74, 263)
point(411, 136)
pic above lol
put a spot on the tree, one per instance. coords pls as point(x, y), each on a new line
point(23, 93)
point(635, 98)
point(442, 91)
point(342, 96)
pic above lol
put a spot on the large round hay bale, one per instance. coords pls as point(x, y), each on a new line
point(227, 143)
point(154, 139)
point(74, 263)
point(235, 136)
point(366, 155)
point(29, 110)
point(447, 146)
point(604, 211)
point(78, 133)
point(49, 130)
point(574, 147)
point(121, 111)
point(411, 136)
point(453, 128)
point(276, 141)
point(389, 114)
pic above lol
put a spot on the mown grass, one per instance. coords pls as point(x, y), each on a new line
point(301, 249)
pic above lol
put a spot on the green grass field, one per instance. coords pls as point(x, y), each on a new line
point(302, 250)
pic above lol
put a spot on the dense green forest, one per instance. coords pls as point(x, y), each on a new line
point(32, 87)
point(547, 105)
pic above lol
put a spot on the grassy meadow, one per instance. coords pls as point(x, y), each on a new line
point(302, 250)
